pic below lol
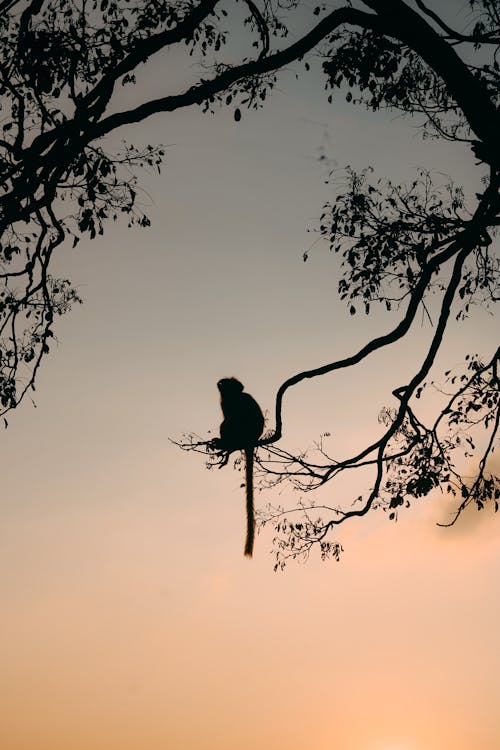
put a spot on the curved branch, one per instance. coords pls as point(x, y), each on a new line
point(465, 240)
point(261, 25)
point(82, 130)
point(149, 46)
point(488, 38)
point(402, 22)
point(32, 9)
point(377, 343)
point(206, 89)
point(408, 391)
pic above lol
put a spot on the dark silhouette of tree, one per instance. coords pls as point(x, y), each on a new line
point(62, 63)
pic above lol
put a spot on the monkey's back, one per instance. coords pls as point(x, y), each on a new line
point(243, 421)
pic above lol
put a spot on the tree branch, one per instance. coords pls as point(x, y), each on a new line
point(149, 46)
point(488, 38)
point(409, 27)
point(377, 343)
point(31, 10)
point(408, 390)
point(206, 89)
point(7, 5)
point(468, 238)
point(261, 25)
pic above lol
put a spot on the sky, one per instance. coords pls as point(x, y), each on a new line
point(130, 618)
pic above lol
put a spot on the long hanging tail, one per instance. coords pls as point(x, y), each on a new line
point(249, 491)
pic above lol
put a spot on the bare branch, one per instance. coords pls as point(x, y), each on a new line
point(261, 25)
point(474, 38)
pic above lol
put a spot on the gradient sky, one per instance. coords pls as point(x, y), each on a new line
point(130, 618)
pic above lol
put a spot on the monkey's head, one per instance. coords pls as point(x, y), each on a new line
point(229, 386)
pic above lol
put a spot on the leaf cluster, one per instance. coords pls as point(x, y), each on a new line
point(386, 234)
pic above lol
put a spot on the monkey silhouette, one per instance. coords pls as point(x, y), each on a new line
point(240, 430)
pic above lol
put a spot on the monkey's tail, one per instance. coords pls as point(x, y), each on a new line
point(249, 491)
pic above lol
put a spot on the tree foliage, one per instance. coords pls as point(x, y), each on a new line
point(62, 66)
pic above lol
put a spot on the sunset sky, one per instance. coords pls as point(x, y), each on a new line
point(130, 618)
